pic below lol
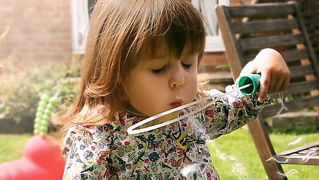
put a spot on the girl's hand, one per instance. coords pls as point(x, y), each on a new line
point(275, 75)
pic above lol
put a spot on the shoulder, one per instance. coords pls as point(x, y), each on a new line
point(79, 131)
point(80, 137)
point(95, 133)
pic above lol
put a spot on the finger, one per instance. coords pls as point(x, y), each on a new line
point(272, 83)
point(264, 85)
point(285, 85)
point(277, 85)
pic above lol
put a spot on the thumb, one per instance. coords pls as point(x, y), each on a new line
point(264, 85)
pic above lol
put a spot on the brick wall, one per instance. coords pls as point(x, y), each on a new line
point(35, 31)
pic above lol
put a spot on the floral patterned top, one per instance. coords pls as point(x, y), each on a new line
point(109, 152)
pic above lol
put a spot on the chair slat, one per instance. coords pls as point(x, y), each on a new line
point(298, 88)
point(307, 154)
point(271, 41)
point(292, 151)
point(294, 55)
point(294, 105)
point(288, 55)
point(264, 25)
point(301, 87)
point(299, 159)
point(301, 71)
point(260, 10)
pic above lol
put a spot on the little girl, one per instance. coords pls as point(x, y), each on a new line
point(141, 59)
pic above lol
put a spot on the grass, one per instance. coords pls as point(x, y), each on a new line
point(234, 155)
point(11, 146)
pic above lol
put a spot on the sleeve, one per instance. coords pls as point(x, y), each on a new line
point(87, 157)
point(229, 111)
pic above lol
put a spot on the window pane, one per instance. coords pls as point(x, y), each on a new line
point(207, 8)
point(91, 4)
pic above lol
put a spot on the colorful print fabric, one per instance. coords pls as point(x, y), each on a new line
point(109, 152)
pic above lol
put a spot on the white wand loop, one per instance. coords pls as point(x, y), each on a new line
point(133, 129)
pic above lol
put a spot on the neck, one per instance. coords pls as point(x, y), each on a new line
point(130, 109)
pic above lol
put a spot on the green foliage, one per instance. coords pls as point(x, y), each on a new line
point(21, 89)
point(223, 66)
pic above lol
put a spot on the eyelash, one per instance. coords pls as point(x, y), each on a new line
point(187, 65)
point(157, 71)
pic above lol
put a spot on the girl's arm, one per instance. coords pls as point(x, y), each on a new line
point(231, 111)
point(228, 112)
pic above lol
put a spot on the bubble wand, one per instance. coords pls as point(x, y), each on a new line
point(247, 85)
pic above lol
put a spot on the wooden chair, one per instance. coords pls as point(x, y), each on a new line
point(246, 30)
point(310, 13)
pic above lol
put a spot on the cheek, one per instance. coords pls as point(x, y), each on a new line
point(191, 83)
point(192, 87)
point(147, 94)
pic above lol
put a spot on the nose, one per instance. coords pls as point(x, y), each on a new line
point(177, 79)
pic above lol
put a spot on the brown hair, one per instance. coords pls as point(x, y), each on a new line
point(118, 31)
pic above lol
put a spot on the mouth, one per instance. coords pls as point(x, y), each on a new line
point(176, 103)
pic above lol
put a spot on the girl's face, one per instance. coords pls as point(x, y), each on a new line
point(163, 82)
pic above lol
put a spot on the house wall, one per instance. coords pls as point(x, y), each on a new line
point(35, 32)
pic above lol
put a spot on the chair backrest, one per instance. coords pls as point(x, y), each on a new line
point(310, 13)
point(247, 29)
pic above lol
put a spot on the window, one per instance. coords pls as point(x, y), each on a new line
point(80, 21)
point(81, 10)
point(214, 42)
point(91, 4)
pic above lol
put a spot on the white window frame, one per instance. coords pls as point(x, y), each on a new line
point(80, 23)
point(214, 41)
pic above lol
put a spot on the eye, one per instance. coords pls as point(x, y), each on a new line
point(157, 71)
point(187, 65)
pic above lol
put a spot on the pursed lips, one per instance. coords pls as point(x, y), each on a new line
point(176, 103)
